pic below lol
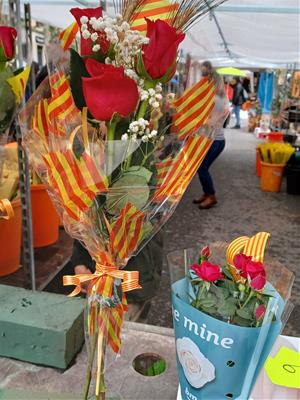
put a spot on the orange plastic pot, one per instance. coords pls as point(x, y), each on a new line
point(10, 241)
point(45, 221)
point(258, 163)
point(271, 177)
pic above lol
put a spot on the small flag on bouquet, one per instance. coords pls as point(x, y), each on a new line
point(62, 104)
point(174, 175)
point(153, 9)
point(126, 231)
point(194, 108)
point(67, 36)
point(40, 119)
point(75, 181)
point(18, 84)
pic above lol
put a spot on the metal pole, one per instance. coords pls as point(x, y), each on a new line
point(24, 174)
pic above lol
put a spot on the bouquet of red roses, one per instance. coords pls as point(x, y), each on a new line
point(95, 134)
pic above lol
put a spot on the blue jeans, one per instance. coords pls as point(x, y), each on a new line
point(237, 110)
point(205, 178)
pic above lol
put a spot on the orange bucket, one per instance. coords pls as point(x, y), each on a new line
point(45, 221)
point(271, 177)
point(258, 163)
point(10, 241)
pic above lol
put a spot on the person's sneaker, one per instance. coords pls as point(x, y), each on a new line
point(236, 127)
point(200, 199)
point(209, 202)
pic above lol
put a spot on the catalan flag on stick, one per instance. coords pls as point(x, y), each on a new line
point(194, 108)
point(153, 9)
point(126, 231)
point(61, 105)
point(18, 84)
point(76, 181)
point(40, 119)
point(67, 36)
point(174, 175)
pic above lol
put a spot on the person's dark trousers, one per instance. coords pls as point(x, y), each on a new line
point(205, 178)
point(237, 113)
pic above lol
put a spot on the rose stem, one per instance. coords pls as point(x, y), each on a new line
point(141, 114)
point(110, 143)
point(100, 385)
point(89, 369)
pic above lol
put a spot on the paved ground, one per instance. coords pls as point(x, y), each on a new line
point(243, 209)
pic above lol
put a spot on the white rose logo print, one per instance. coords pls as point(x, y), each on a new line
point(197, 369)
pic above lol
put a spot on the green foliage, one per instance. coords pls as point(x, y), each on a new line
point(139, 171)
point(128, 189)
point(78, 71)
point(157, 368)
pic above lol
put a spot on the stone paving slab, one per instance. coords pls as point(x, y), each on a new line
point(121, 379)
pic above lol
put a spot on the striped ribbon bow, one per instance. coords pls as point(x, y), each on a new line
point(130, 280)
point(254, 247)
point(109, 319)
point(6, 210)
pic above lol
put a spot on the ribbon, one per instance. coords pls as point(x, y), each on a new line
point(130, 280)
point(6, 210)
point(254, 247)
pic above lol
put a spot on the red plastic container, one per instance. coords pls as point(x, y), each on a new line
point(258, 163)
point(275, 137)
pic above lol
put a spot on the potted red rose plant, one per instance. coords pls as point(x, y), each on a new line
point(226, 319)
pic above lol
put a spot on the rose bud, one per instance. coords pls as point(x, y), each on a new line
point(260, 311)
point(205, 252)
point(8, 36)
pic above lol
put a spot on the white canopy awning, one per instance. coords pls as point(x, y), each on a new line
point(252, 33)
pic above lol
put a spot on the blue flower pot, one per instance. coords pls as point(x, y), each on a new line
point(217, 360)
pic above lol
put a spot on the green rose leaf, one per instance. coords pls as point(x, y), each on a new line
point(139, 171)
point(129, 189)
point(245, 313)
point(207, 303)
point(78, 70)
point(220, 292)
point(241, 321)
point(227, 308)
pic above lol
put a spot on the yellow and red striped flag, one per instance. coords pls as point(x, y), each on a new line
point(254, 247)
point(67, 36)
point(76, 182)
point(40, 119)
point(194, 108)
point(153, 9)
point(126, 231)
point(110, 322)
point(175, 175)
point(61, 106)
point(18, 84)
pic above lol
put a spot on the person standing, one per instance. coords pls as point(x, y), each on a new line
point(208, 199)
point(237, 100)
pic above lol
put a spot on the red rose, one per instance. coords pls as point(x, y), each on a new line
point(248, 267)
point(160, 53)
point(205, 252)
point(254, 269)
point(86, 44)
point(260, 311)
point(240, 261)
point(258, 283)
point(207, 271)
point(8, 36)
point(109, 91)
